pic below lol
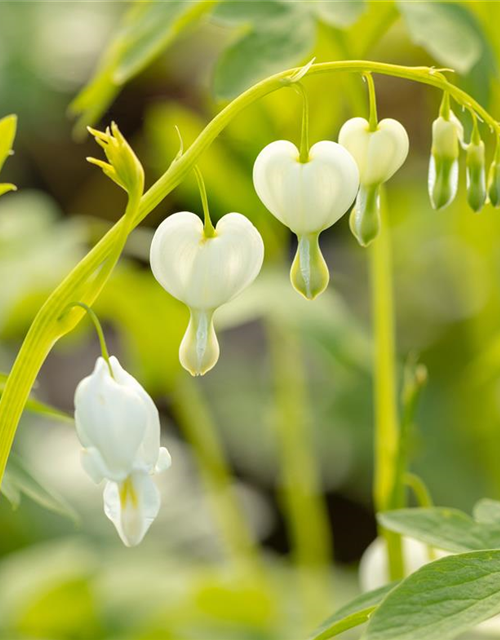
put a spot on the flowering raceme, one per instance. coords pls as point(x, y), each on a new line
point(205, 270)
point(308, 197)
point(118, 426)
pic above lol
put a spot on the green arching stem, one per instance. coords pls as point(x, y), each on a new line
point(373, 119)
point(44, 332)
point(208, 227)
point(100, 333)
point(385, 393)
point(420, 490)
point(304, 133)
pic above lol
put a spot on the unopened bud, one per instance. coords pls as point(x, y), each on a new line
point(447, 133)
point(476, 173)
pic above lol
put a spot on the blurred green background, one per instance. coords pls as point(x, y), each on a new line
point(189, 579)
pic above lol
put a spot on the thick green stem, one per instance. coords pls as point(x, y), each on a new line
point(195, 421)
point(385, 387)
point(42, 334)
point(303, 506)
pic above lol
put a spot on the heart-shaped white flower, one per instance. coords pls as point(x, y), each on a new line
point(205, 273)
point(307, 197)
point(378, 154)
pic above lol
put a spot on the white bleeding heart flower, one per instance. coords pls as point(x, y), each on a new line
point(205, 273)
point(379, 153)
point(118, 426)
point(307, 197)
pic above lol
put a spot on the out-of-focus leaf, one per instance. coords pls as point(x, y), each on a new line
point(487, 511)
point(242, 11)
point(447, 529)
point(441, 600)
point(148, 28)
point(338, 13)
point(21, 481)
point(266, 49)
point(352, 614)
point(446, 31)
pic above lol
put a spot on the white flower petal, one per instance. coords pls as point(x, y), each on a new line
point(132, 506)
point(205, 273)
point(164, 460)
point(306, 197)
point(94, 464)
point(111, 418)
point(150, 446)
point(378, 154)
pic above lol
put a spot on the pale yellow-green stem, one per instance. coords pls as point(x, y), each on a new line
point(385, 387)
point(300, 486)
point(47, 327)
point(193, 416)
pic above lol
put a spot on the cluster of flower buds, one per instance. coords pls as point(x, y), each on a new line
point(119, 428)
point(447, 138)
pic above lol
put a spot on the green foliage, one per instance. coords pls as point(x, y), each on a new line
point(22, 481)
point(441, 600)
point(352, 615)
point(446, 31)
point(447, 529)
point(8, 126)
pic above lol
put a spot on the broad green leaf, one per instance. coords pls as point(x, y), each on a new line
point(264, 51)
point(337, 13)
point(21, 481)
point(8, 127)
point(447, 529)
point(352, 614)
point(445, 31)
point(441, 600)
point(487, 512)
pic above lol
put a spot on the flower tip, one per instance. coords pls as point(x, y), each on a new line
point(309, 274)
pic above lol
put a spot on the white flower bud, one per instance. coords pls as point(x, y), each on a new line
point(476, 175)
point(447, 135)
point(307, 197)
point(119, 428)
point(378, 154)
point(205, 273)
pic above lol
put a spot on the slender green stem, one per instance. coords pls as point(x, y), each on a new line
point(208, 228)
point(444, 109)
point(304, 133)
point(100, 333)
point(420, 490)
point(304, 508)
point(385, 392)
point(373, 118)
point(45, 331)
point(194, 419)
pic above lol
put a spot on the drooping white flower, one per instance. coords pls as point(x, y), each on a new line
point(447, 135)
point(119, 428)
point(205, 272)
point(307, 197)
point(379, 153)
point(476, 171)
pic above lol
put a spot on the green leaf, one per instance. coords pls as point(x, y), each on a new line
point(487, 511)
point(21, 481)
point(242, 11)
point(447, 529)
point(337, 13)
point(441, 600)
point(445, 31)
point(264, 51)
point(8, 126)
point(147, 29)
point(352, 614)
